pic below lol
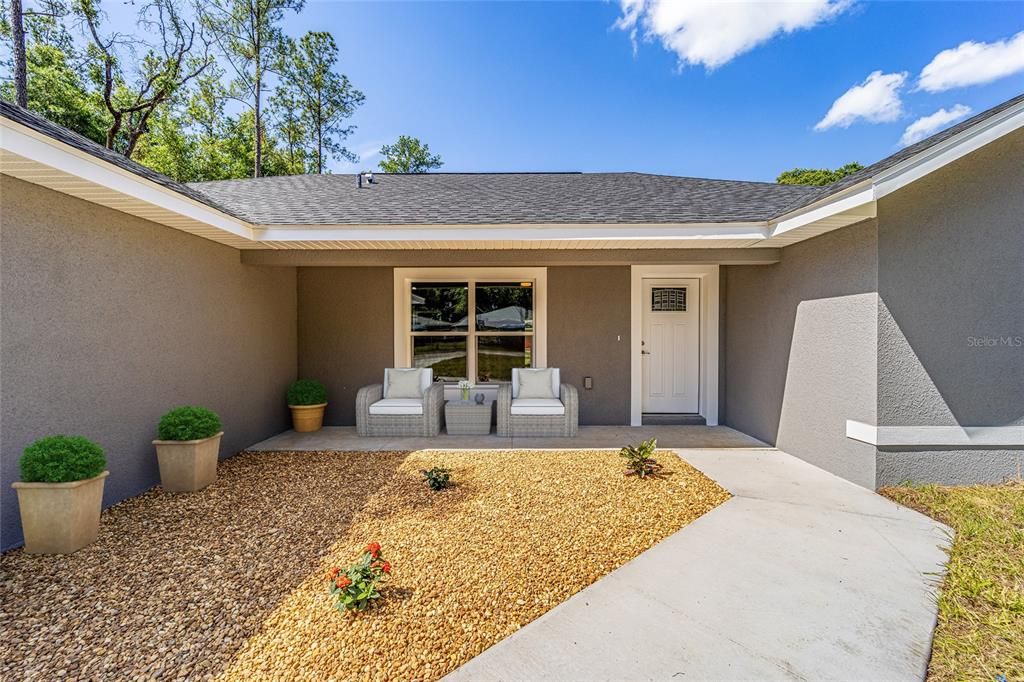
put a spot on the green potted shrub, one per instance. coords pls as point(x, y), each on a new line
point(60, 493)
point(307, 399)
point(187, 446)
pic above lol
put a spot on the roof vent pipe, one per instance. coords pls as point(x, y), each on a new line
point(369, 178)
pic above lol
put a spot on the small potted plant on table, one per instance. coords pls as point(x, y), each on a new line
point(187, 446)
point(307, 399)
point(60, 494)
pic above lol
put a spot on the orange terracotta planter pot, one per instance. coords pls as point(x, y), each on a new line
point(307, 418)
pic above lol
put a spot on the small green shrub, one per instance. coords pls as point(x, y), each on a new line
point(307, 392)
point(639, 461)
point(61, 459)
point(438, 478)
point(188, 423)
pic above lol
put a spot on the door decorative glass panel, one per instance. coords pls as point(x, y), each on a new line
point(668, 299)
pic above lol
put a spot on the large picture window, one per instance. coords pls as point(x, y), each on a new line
point(471, 327)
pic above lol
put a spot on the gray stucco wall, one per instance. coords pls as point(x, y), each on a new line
point(346, 332)
point(109, 320)
point(800, 349)
point(588, 335)
point(346, 337)
point(951, 316)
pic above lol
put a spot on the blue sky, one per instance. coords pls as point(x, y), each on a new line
point(503, 86)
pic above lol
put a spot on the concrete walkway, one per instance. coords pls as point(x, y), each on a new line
point(801, 576)
point(345, 438)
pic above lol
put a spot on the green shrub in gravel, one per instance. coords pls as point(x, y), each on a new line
point(307, 392)
point(62, 459)
point(188, 423)
point(438, 478)
point(639, 460)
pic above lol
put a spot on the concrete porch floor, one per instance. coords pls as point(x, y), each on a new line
point(345, 438)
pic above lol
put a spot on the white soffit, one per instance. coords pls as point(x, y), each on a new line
point(505, 244)
point(30, 156)
point(614, 236)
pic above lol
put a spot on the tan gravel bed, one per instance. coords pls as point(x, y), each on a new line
point(229, 582)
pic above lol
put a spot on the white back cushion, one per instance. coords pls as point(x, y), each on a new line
point(535, 383)
point(407, 383)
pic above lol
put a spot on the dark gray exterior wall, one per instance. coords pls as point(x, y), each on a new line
point(346, 337)
point(346, 332)
point(109, 320)
point(951, 316)
point(800, 349)
point(588, 335)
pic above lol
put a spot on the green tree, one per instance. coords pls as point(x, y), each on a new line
point(408, 155)
point(132, 96)
point(58, 92)
point(288, 126)
point(16, 22)
point(249, 35)
point(817, 176)
point(322, 98)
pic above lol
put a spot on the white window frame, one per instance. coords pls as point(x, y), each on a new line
point(404, 278)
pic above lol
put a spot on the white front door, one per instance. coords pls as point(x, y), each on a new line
point(670, 345)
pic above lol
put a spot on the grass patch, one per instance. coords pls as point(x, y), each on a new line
point(980, 632)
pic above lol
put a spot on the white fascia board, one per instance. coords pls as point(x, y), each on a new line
point(45, 150)
point(506, 232)
point(935, 436)
point(950, 150)
point(861, 199)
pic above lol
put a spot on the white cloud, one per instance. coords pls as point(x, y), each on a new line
point(972, 63)
point(876, 100)
point(926, 125)
point(714, 33)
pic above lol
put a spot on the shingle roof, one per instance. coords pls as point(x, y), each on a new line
point(506, 198)
point(902, 155)
point(69, 137)
point(487, 198)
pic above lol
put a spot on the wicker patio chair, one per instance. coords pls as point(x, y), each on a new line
point(525, 417)
point(380, 416)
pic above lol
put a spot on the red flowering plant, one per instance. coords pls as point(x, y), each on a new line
point(355, 586)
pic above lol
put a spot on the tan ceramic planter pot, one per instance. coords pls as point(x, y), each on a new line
point(188, 465)
point(306, 418)
point(60, 518)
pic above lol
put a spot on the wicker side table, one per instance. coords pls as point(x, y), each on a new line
point(466, 418)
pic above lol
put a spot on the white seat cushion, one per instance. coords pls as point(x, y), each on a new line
point(397, 406)
point(537, 406)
